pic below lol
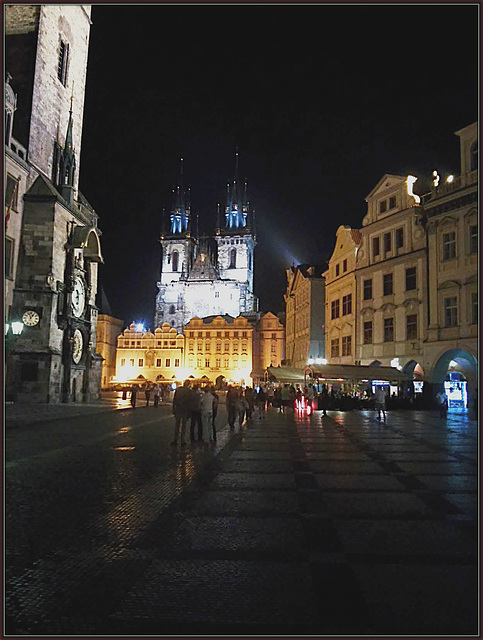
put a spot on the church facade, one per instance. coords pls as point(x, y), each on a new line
point(207, 276)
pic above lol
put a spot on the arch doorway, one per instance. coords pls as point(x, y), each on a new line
point(456, 371)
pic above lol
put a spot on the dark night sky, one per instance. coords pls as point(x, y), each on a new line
point(321, 100)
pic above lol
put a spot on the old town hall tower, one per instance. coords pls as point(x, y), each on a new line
point(205, 276)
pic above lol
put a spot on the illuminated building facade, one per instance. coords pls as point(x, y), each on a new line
point(108, 330)
point(157, 357)
point(268, 343)
point(220, 346)
point(340, 298)
point(207, 276)
point(304, 315)
point(52, 239)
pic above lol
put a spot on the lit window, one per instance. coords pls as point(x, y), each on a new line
point(450, 312)
point(191, 346)
point(346, 345)
point(218, 347)
point(218, 362)
point(368, 332)
point(410, 278)
point(226, 363)
point(207, 346)
point(449, 245)
point(198, 363)
point(388, 329)
point(131, 362)
point(123, 362)
point(244, 347)
point(227, 346)
point(411, 327)
point(387, 284)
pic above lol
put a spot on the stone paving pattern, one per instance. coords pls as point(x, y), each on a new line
point(292, 525)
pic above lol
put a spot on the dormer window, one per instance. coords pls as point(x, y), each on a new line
point(392, 202)
point(382, 206)
point(474, 156)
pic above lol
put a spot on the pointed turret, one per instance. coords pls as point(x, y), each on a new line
point(236, 210)
point(67, 163)
point(180, 210)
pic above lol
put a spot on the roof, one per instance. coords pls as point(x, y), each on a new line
point(285, 374)
point(355, 372)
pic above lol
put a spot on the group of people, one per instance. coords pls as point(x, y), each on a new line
point(159, 393)
point(244, 404)
point(197, 405)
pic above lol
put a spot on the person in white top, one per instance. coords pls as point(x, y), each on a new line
point(381, 403)
point(207, 401)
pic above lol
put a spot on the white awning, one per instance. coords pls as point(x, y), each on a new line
point(355, 373)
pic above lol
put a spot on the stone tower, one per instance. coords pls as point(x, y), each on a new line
point(58, 248)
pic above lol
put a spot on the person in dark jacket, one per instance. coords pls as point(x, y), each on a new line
point(196, 414)
point(181, 412)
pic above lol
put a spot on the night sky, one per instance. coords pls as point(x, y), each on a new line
point(321, 101)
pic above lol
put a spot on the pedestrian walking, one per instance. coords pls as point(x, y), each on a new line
point(285, 397)
point(231, 406)
point(242, 407)
point(216, 401)
point(380, 402)
point(261, 402)
point(207, 401)
point(181, 412)
point(134, 392)
point(147, 394)
point(250, 398)
point(157, 395)
point(324, 399)
point(442, 401)
point(196, 414)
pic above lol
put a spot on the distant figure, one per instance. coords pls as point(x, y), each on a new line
point(261, 402)
point(442, 401)
point(231, 406)
point(181, 412)
point(216, 401)
point(324, 399)
point(157, 395)
point(196, 414)
point(380, 402)
point(147, 394)
point(285, 397)
point(134, 392)
point(242, 407)
point(207, 401)
point(250, 398)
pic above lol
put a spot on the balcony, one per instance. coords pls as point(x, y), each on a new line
point(459, 182)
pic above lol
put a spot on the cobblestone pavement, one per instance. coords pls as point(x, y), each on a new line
point(291, 525)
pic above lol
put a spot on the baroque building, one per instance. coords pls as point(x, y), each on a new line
point(304, 315)
point(207, 276)
point(53, 242)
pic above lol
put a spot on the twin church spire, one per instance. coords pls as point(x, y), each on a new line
point(237, 208)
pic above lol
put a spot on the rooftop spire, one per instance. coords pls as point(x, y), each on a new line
point(180, 210)
point(236, 210)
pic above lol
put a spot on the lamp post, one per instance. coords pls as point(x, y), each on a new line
point(12, 331)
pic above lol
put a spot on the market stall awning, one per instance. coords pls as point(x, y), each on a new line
point(354, 373)
point(286, 375)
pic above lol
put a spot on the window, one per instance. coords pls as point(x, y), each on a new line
point(235, 334)
point(367, 287)
point(217, 294)
point(273, 348)
point(387, 284)
point(347, 304)
point(227, 346)
point(218, 347)
point(274, 336)
point(235, 347)
point(473, 238)
point(375, 247)
point(159, 362)
point(399, 238)
point(141, 362)
point(410, 278)
point(227, 334)
point(334, 348)
point(368, 332)
point(218, 363)
point(63, 62)
point(168, 362)
point(474, 308)
point(382, 206)
point(172, 309)
point(335, 308)
point(218, 334)
point(226, 363)
point(208, 334)
point(207, 363)
point(388, 329)
point(474, 156)
point(450, 312)
point(344, 265)
point(387, 242)
point(411, 327)
point(200, 346)
point(191, 346)
point(138, 343)
point(9, 257)
point(176, 362)
point(207, 346)
point(11, 193)
point(123, 362)
point(392, 202)
point(449, 245)
point(175, 260)
point(131, 362)
point(244, 347)
point(337, 269)
point(346, 345)
point(232, 259)
point(244, 334)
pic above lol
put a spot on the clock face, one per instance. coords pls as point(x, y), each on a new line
point(30, 318)
point(77, 346)
point(78, 297)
